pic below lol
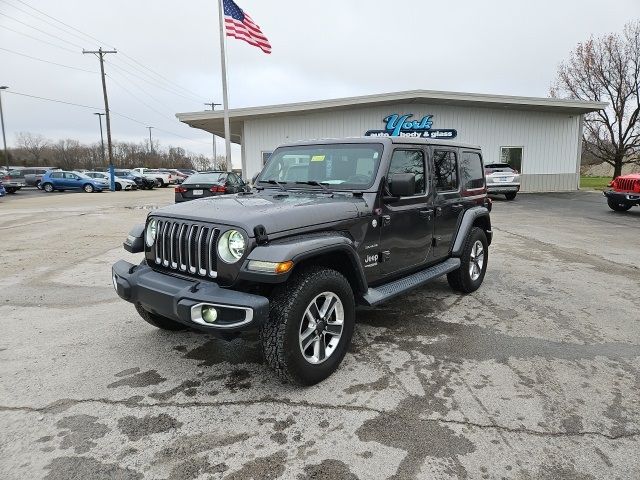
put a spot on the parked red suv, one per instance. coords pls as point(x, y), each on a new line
point(624, 192)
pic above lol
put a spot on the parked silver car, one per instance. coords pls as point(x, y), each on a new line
point(502, 179)
point(120, 183)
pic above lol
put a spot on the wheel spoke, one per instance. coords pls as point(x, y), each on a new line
point(314, 312)
point(319, 348)
point(330, 307)
point(307, 338)
point(334, 328)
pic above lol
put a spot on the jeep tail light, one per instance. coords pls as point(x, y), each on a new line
point(181, 190)
point(218, 189)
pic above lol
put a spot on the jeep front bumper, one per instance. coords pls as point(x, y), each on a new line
point(623, 197)
point(182, 300)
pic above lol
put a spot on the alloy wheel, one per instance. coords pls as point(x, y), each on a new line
point(321, 328)
point(476, 260)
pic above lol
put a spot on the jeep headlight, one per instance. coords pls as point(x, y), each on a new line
point(231, 246)
point(150, 233)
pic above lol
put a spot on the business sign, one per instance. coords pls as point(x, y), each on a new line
point(402, 126)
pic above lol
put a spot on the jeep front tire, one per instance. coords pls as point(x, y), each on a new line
point(473, 263)
point(310, 325)
point(618, 206)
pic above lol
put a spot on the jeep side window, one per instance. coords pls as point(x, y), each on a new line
point(409, 161)
point(471, 171)
point(445, 166)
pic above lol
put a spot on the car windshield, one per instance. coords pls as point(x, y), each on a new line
point(343, 167)
point(206, 178)
point(82, 175)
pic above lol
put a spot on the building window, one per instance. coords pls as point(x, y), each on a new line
point(265, 157)
point(471, 171)
point(512, 156)
point(445, 164)
point(409, 161)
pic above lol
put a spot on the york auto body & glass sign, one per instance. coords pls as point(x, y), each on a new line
point(402, 126)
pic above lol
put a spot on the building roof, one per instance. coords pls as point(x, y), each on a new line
point(212, 121)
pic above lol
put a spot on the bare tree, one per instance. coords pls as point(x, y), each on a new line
point(34, 145)
point(607, 69)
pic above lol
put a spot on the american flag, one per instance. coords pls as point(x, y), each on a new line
point(240, 25)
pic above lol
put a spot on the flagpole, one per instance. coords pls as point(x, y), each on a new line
point(225, 93)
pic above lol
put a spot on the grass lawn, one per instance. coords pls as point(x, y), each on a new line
point(594, 183)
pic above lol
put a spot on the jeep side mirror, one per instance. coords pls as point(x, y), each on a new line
point(402, 184)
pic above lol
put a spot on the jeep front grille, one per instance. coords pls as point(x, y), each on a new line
point(625, 184)
point(187, 247)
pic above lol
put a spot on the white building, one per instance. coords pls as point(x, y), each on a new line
point(540, 137)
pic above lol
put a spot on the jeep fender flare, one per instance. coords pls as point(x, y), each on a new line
point(301, 249)
point(471, 217)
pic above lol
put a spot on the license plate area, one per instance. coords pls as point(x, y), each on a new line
point(197, 192)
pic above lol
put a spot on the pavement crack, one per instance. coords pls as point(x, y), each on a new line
point(529, 431)
point(62, 405)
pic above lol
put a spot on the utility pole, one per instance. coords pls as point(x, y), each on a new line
point(213, 107)
point(101, 136)
point(100, 53)
point(150, 141)
point(4, 138)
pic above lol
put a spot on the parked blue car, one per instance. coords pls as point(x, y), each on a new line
point(3, 192)
point(62, 180)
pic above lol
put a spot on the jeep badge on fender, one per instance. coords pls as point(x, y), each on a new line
point(329, 225)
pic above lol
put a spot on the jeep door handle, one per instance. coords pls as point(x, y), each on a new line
point(426, 213)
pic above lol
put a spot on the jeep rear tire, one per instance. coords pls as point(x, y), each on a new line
point(310, 325)
point(473, 263)
point(159, 321)
point(617, 206)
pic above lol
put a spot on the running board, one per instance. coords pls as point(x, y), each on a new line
point(383, 293)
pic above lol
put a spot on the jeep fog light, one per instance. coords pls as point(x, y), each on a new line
point(270, 267)
point(209, 314)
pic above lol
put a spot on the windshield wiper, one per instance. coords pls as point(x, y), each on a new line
point(315, 183)
point(275, 182)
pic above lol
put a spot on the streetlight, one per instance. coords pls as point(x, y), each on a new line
point(213, 106)
point(112, 179)
point(101, 135)
point(150, 141)
point(4, 138)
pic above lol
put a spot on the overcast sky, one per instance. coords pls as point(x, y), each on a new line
point(321, 50)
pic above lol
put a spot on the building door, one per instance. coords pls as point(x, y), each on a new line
point(407, 222)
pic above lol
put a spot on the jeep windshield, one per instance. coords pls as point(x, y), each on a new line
point(338, 167)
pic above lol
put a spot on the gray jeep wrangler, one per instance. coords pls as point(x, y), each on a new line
point(328, 225)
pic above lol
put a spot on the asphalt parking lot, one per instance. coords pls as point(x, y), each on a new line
point(536, 375)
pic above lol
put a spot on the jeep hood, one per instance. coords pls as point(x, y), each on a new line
point(276, 211)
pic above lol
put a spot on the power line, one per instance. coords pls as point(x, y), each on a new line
point(136, 97)
point(38, 39)
point(162, 76)
point(46, 61)
point(44, 21)
point(13, 92)
point(140, 64)
point(61, 22)
point(40, 30)
point(157, 85)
